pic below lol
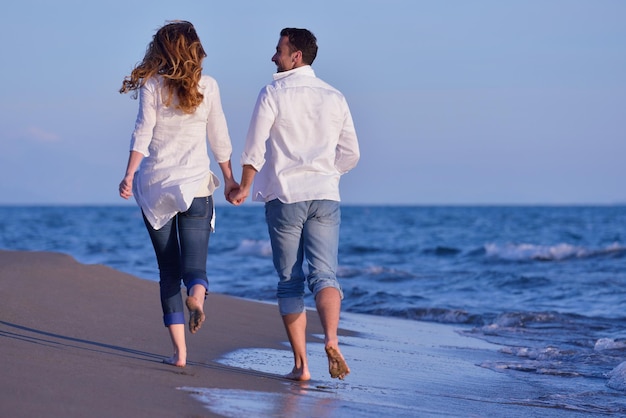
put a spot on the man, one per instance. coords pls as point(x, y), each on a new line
point(300, 141)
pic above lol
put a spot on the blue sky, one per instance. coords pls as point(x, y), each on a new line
point(455, 102)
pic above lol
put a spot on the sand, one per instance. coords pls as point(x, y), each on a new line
point(79, 340)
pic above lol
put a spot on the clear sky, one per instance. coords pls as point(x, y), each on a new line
point(455, 102)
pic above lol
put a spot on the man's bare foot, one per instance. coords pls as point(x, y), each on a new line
point(337, 365)
point(196, 314)
point(299, 374)
point(175, 361)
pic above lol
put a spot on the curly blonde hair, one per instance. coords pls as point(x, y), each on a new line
point(175, 54)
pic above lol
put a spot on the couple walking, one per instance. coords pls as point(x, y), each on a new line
point(301, 139)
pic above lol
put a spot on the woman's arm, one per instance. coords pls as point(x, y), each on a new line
point(126, 185)
point(230, 184)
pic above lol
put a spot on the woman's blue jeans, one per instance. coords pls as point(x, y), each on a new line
point(303, 231)
point(181, 247)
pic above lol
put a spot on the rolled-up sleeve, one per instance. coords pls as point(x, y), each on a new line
point(146, 120)
point(217, 128)
point(261, 123)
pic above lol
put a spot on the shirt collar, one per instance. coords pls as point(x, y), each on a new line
point(304, 70)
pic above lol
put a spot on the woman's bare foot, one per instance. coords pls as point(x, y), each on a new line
point(299, 374)
point(337, 365)
point(175, 360)
point(196, 314)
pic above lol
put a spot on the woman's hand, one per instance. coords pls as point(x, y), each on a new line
point(231, 187)
point(126, 186)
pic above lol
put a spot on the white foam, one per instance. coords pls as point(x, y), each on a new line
point(520, 252)
point(259, 248)
point(609, 344)
point(617, 377)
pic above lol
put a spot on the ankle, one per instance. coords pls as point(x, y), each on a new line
point(198, 292)
point(331, 342)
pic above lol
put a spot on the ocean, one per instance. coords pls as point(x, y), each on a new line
point(546, 285)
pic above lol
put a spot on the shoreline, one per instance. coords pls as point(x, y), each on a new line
point(87, 340)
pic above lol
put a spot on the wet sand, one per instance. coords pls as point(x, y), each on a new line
point(79, 340)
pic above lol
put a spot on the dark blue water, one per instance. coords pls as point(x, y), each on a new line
point(547, 283)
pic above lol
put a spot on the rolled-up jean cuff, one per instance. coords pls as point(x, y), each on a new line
point(194, 282)
point(173, 318)
point(293, 305)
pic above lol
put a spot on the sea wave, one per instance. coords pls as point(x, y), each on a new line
point(558, 252)
point(561, 345)
point(617, 377)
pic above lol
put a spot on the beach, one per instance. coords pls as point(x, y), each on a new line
point(82, 340)
point(86, 340)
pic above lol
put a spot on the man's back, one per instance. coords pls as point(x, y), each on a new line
point(303, 132)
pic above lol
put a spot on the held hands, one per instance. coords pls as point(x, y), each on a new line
point(237, 196)
point(231, 187)
point(234, 193)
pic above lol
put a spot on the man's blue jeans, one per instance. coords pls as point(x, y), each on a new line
point(181, 248)
point(298, 231)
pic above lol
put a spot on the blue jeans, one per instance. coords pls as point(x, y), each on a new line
point(181, 248)
point(298, 231)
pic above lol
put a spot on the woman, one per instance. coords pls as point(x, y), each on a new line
point(168, 169)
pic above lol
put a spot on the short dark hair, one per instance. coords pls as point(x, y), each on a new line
point(302, 40)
